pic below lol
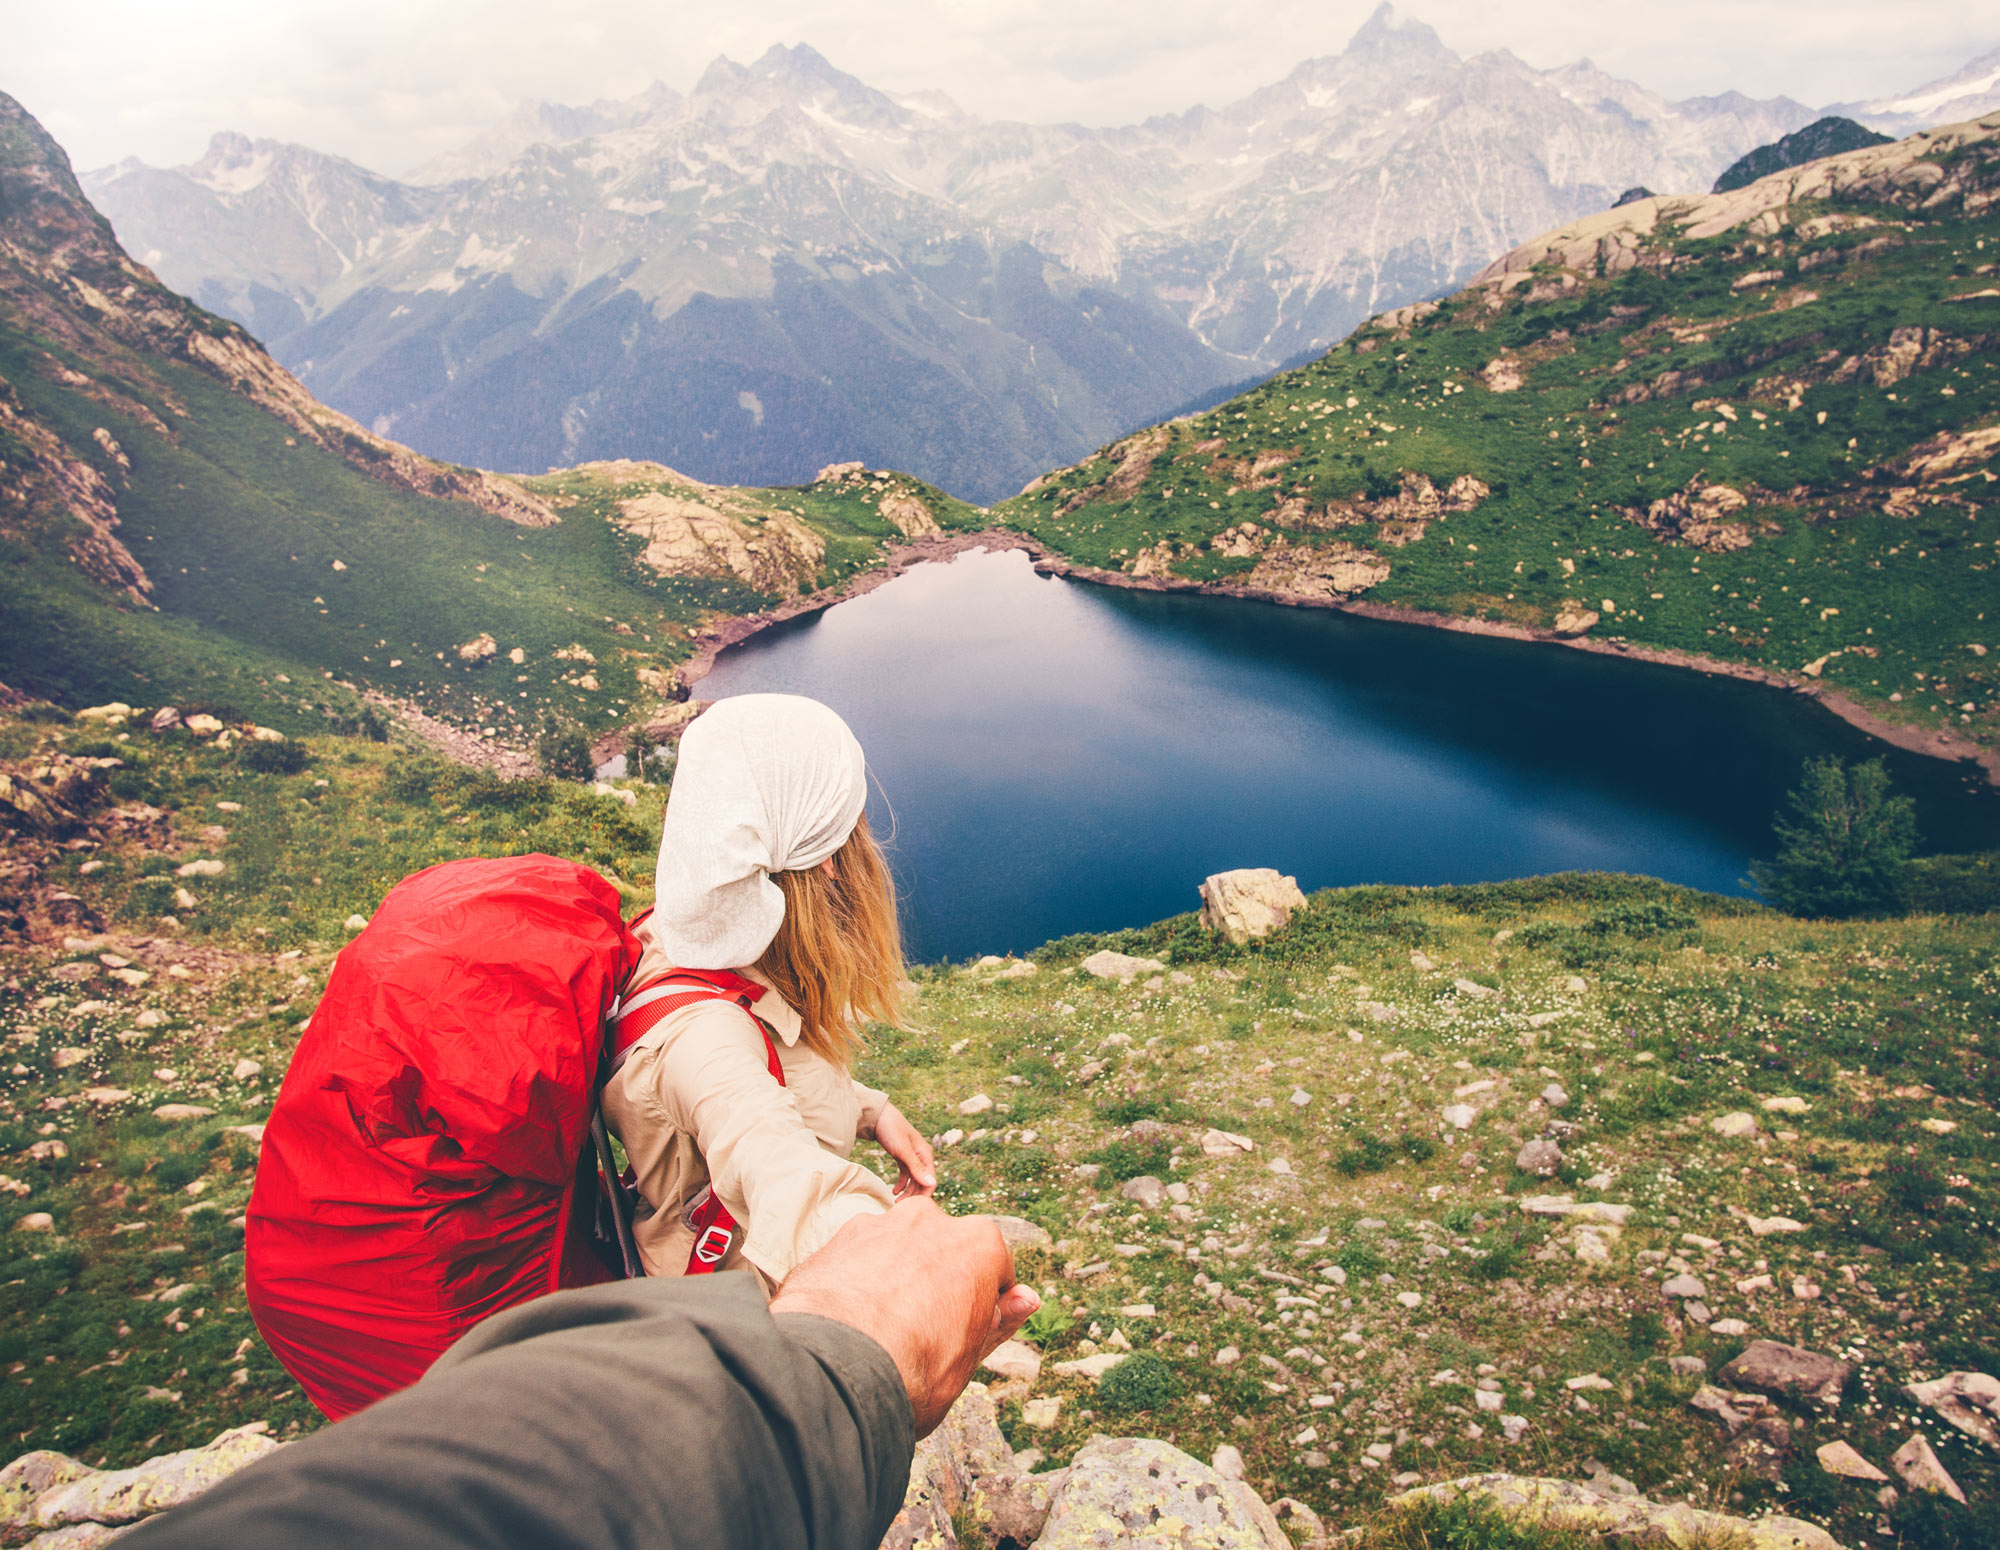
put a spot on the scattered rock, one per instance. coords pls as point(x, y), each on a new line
point(1582, 1210)
point(1772, 1367)
point(1785, 1105)
point(174, 1112)
point(355, 923)
point(1918, 1468)
point(1737, 1126)
point(1108, 965)
point(1248, 902)
point(1621, 1519)
point(1014, 1359)
point(1839, 1458)
point(1225, 1143)
point(1683, 1286)
point(1554, 1096)
point(245, 1070)
point(1092, 1367)
point(1765, 1226)
point(1422, 962)
point(1022, 1235)
point(1146, 1191)
point(1042, 1413)
point(1539, 1157)
point(978, 1103)
point(1228, 1462)
point(1686, 1366)
point(203, 868)
point(1459, 1115)
point(1176, 1501)
point(36, 1221)
point(1968, 1400)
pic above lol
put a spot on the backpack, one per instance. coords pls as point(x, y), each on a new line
point(435, 1154)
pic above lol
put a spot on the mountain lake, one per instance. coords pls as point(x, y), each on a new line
point(1051, 756)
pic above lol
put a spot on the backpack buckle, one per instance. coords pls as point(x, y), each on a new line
point(713, 1243)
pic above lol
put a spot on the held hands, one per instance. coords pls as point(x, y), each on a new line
point(916, 1172)
point(936, 1292)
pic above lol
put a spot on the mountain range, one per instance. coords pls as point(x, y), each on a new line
point(785, 267)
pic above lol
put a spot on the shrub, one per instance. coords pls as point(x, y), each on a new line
point(1125, 1159)
point(1367, 1154)
point(1956, 885)
point(1141, 1382)
point(1844, 850)
point(563, 751)
point(1928, 1522)
point(1648, 919)
point(286, 758)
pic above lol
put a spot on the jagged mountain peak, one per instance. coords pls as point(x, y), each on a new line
point(1388, 29)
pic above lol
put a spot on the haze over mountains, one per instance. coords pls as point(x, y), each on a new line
point(786, 268)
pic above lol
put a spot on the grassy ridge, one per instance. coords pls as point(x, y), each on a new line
point(1885, 596)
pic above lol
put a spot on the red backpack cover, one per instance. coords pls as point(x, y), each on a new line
point(428, 1161)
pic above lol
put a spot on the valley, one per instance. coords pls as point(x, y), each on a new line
point(1433, 1181)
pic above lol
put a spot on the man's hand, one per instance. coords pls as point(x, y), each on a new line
point(916, 1171)
point(936, 1292)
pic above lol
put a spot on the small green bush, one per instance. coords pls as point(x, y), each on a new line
point(1928, 1522)
point(1844, 844)
point(1956, 885)
point(1126, 1159)
point(1141, 1382)
point(1648, 919)
point(286, 758)
point(1365, 1154)
point(563, 751)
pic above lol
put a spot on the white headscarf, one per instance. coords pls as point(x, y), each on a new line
point(766, 783)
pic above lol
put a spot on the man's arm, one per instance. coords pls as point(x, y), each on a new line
point(660, 1412)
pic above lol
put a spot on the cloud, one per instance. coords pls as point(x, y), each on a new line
point(390, 83)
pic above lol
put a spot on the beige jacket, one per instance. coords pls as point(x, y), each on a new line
point(695, 1104)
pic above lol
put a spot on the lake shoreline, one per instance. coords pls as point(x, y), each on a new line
point(710, 643)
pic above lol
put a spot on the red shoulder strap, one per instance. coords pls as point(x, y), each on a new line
point(640, 1011)
point(642, 1008)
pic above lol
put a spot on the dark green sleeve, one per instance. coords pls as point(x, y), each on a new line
point(650, 1413)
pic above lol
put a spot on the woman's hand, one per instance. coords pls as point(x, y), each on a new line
point(916, 1173)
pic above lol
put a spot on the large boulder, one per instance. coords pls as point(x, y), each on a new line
point(126, 1495)
point(964, 1480)
point(1249, 902)
point(30, 1476)
point(1136, 1492)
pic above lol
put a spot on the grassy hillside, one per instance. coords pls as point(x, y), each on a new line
point(1769, 444)
point(1367, 1286)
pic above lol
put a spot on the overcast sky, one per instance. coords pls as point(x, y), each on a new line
point(391, 83)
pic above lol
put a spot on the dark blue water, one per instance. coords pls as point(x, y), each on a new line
point(1057, 757)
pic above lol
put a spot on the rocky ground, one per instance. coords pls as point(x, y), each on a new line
point(1583, 1178)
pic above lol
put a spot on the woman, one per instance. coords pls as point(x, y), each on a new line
point(738, 1110)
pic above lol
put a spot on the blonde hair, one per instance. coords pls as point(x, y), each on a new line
point(838, 954)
